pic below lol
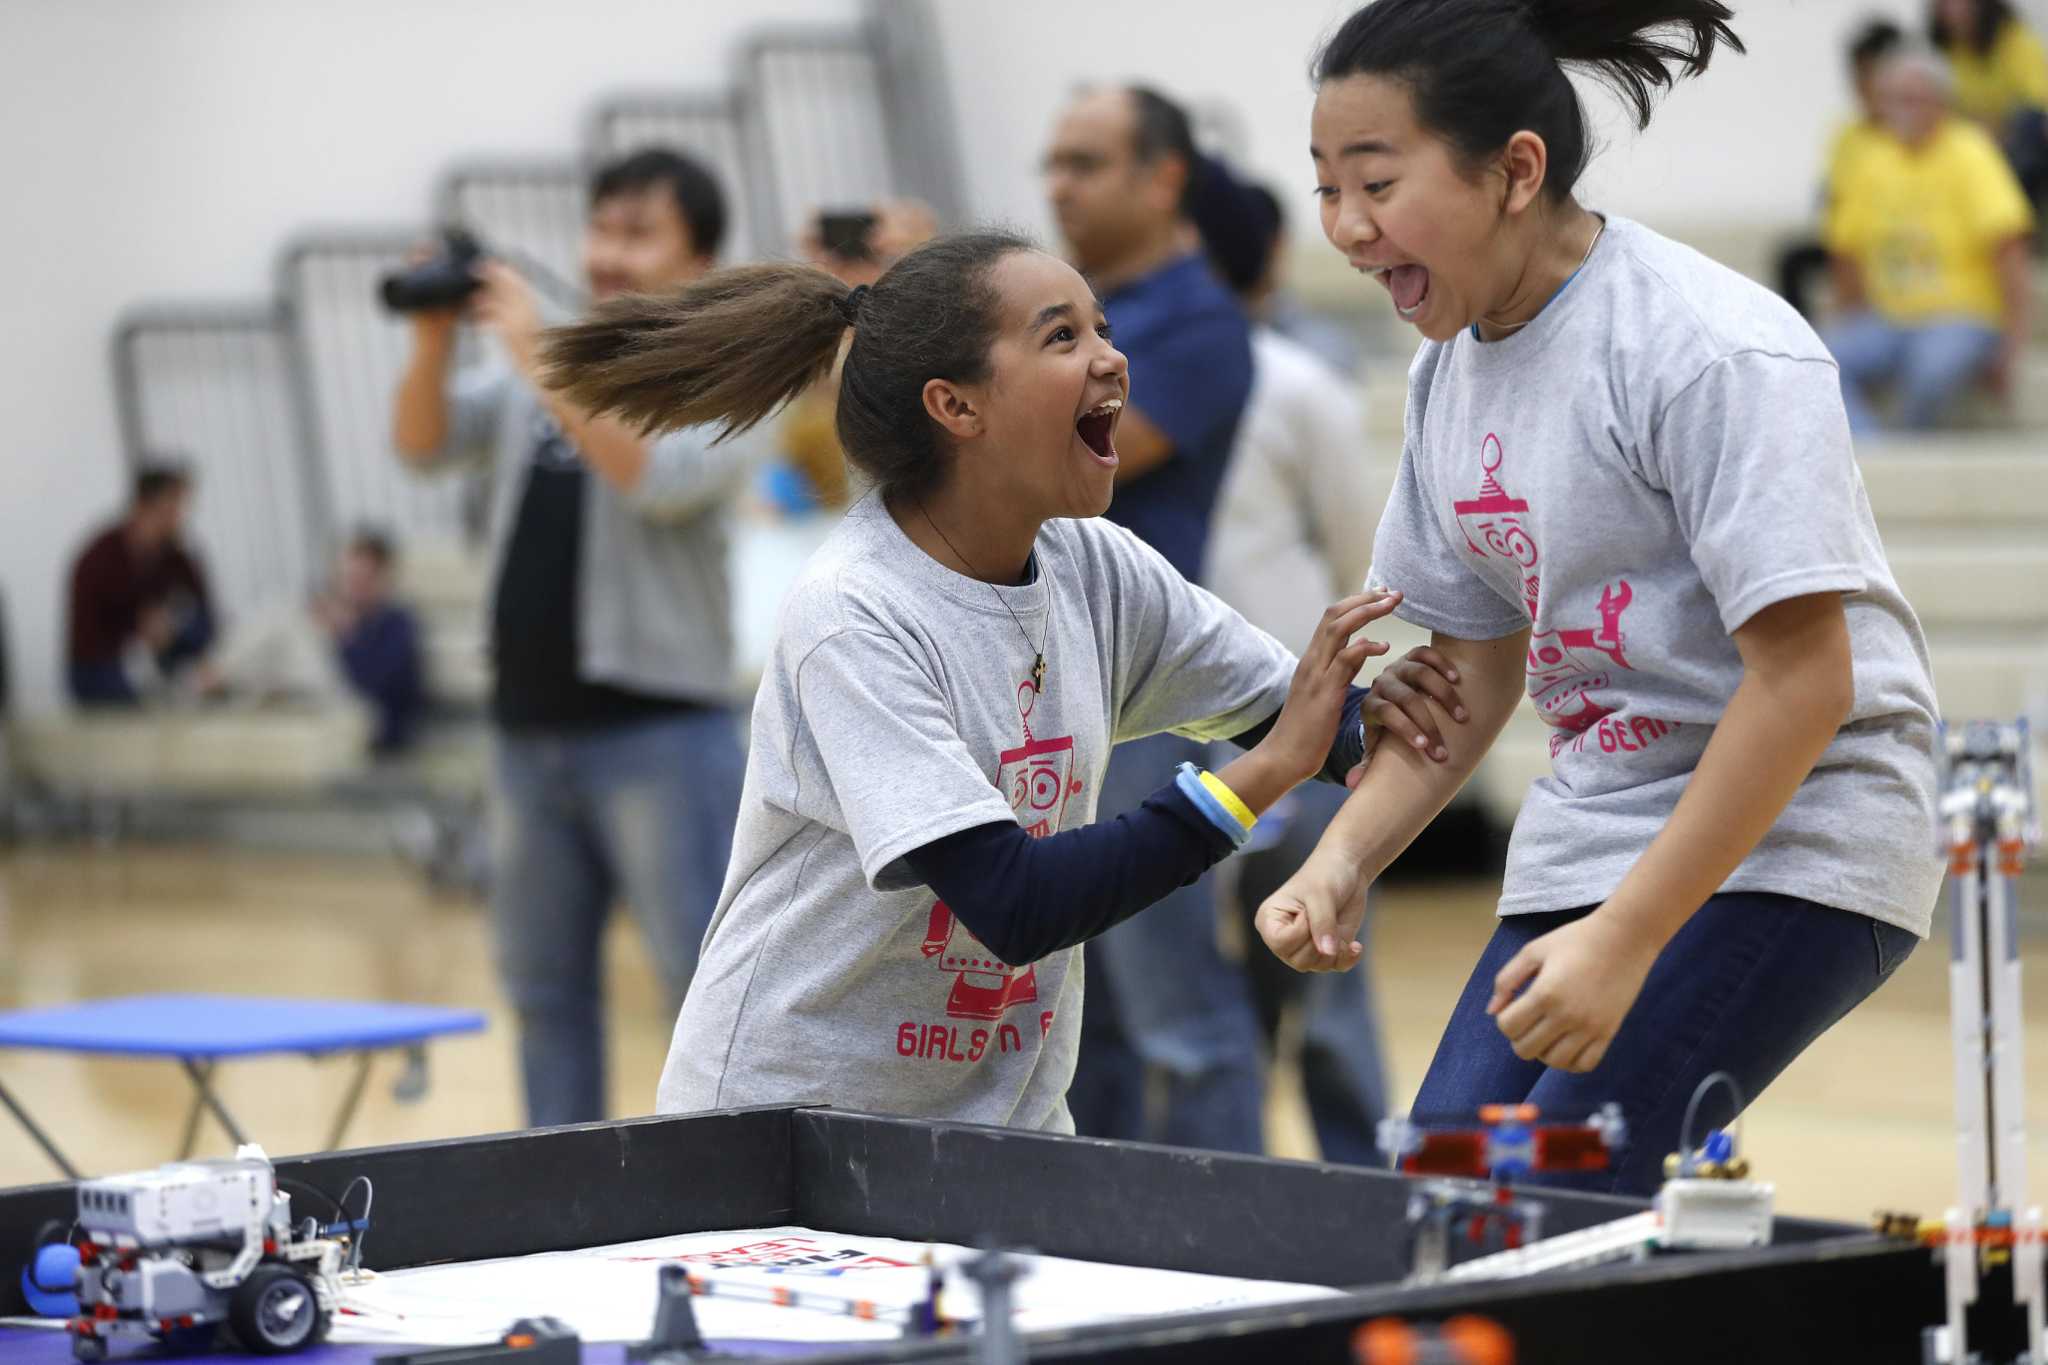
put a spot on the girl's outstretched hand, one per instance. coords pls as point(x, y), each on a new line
point(1299, 742)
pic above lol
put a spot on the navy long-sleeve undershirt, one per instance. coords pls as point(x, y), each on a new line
point(1025, 898)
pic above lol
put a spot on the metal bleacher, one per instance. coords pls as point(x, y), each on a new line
point(704, 125)
point(216, 388)
point(281, 405)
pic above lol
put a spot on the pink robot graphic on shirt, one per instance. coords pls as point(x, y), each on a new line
point(1039, 779)
point(1564, 665)
point(1493, 523)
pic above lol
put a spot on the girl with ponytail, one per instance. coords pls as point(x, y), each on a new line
point(915, 863)
point(1627, 489)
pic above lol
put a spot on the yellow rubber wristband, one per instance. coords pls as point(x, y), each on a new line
point(1229, 798)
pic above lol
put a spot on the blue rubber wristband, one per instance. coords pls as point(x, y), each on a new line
point(1189, 780)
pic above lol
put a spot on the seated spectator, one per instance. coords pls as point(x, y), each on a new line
point(2001, 81)
point(1929, 244)
point(376, 640)
point(1801, 261)
point(140, 618)
point(352, 645)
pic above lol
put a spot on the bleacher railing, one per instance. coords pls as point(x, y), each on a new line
point(530, 212)
point(216, 388)
point(704, 126)
point(812, 106)
point(352, 352)
point(285, 411)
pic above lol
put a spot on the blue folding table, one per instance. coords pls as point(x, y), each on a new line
point(199, 1031)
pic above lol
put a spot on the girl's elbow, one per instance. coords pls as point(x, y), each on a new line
point(1834, 687)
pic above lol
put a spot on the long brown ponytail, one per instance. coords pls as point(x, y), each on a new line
point(727, 350)
point(730, 349)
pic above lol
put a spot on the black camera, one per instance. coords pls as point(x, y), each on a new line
point(446, 281)
point(845, 234)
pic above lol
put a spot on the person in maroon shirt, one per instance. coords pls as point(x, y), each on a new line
point(140, 615)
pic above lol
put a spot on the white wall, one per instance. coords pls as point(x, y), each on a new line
point(1739, 146)
point(165, 148)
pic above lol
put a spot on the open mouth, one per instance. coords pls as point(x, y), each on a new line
point(1097, 429)
point(1409, 285)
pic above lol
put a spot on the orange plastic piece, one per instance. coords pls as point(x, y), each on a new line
point(1473, 1340)
point(1383, 1341)
point(1480, 1341)
point(1507, 1113)
point(519, 1341)
point(781, 1297)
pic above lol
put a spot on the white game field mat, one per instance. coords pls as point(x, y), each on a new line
point(609, 1293)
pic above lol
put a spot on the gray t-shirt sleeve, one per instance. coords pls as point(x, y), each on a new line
point(690, 470)
point(477, 399)
point(886, 762)
point(1439, 592)
point(1756, 457)
point(1185, 661)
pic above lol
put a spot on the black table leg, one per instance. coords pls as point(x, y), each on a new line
point(192, 1115)
point(42, 1139)
point(351, 1100)
point(202, 1081)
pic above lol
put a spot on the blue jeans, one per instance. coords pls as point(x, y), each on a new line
point(1162, 997)
point(1930, 363)
point(107, 683)
point(1743, 987)
point(642, 810)
point(1341, 1070)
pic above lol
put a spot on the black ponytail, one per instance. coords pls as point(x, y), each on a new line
point(1480, 71)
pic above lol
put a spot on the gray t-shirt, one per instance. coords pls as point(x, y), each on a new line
point(897, 709)
point(1655, 458)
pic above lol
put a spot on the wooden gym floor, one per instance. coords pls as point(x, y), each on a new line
point(1861, 1122)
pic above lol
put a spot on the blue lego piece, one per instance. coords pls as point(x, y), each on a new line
point(1513, 1151)
point(47, 1282)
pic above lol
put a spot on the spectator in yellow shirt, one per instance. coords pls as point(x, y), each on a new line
point(1929, 240)
point(1803, 259)
point(2001, 80)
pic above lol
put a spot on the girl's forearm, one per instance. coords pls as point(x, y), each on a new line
point(1779, 722)
point(1403, 788)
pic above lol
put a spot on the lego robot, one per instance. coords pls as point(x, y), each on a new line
point(172, 1254)
point(1707, 1202)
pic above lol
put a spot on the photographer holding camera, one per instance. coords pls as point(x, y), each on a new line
point(617, 764)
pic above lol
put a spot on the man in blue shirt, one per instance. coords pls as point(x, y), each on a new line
point(1160, 993)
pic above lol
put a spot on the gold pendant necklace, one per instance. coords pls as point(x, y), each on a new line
point(1038, 652)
